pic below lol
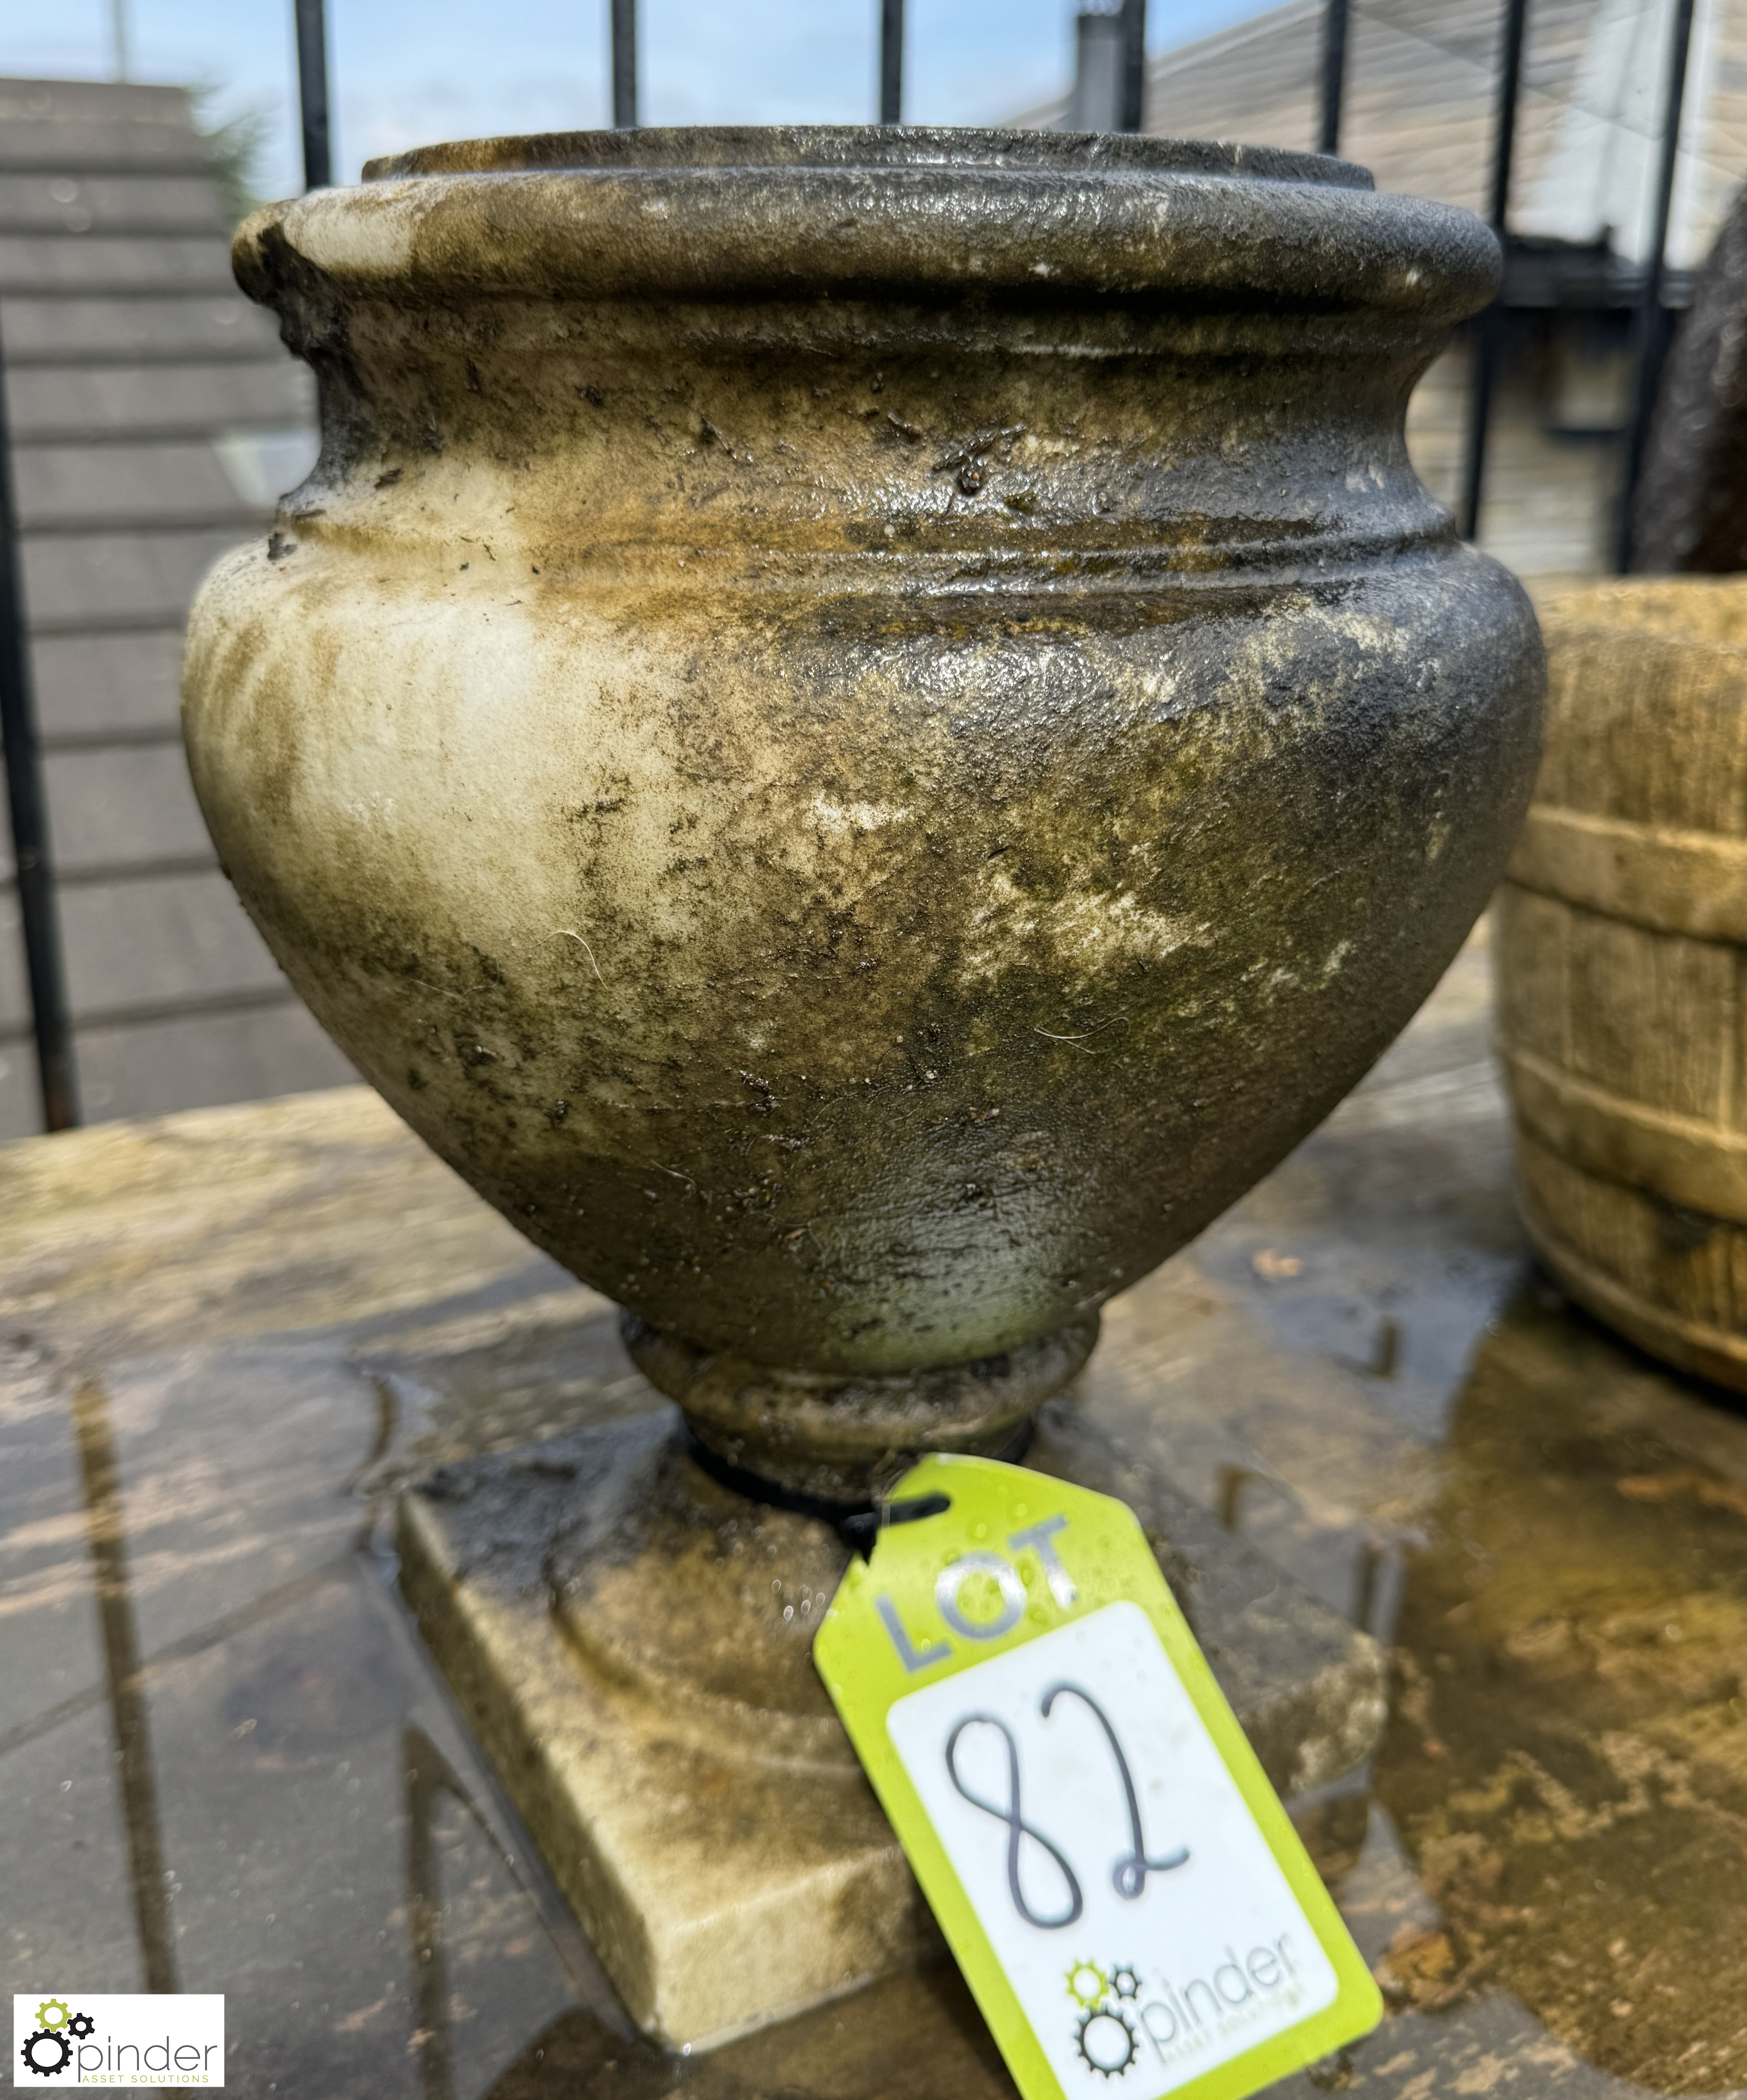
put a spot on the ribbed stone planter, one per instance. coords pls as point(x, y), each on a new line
point(861, 728)
point(1622, 952)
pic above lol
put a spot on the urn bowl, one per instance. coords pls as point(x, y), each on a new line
point(863, 728)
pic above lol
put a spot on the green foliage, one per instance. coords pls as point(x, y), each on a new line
point(235, 145)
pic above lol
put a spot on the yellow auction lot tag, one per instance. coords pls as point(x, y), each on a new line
point(1117, 1878)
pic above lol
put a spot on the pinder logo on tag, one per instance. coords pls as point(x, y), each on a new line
point(1104, 2032)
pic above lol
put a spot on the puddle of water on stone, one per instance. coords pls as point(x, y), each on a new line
point(1356, 1368)
point(1567, 1761)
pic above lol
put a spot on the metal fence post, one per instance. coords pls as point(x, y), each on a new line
point(891, 61)
point(1489, 343)
point(28, 806)
point(1649, 334)
point(1133, 115)
point(312, 92)
point(1334, 73)
point(624, 64)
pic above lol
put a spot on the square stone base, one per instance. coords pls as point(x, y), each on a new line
point(726, 1878)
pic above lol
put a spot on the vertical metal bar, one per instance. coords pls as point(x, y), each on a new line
point(1504, 123)
point(118, 38)
point(1131, 116)
point(28, 808)
point(1334, 73)
point(1490, 332)
point(891, 61)
point(624, 64)
point(312, 92)
point(1649, 336)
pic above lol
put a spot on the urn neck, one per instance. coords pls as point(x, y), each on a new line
point(1018, 358)
point(935, 452)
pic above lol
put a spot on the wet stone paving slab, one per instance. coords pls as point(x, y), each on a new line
point(228, 1338)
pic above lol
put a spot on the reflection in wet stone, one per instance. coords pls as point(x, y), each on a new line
point(107, 1525)
point(917, 2035)
point(1568, 1761)
point(454, 1385)
point(1583, 1504)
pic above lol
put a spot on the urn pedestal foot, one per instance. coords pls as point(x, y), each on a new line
point(840, 1437)
point(631, 1640)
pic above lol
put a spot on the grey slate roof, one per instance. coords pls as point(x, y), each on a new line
point(154, 416)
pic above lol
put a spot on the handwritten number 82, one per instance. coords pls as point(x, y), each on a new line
point(1127, 1876)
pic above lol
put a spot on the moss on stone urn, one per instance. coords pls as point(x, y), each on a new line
point(861, 728)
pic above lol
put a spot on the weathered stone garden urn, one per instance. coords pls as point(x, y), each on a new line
point(861, 728)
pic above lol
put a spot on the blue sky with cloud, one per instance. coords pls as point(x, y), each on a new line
point(407, 72)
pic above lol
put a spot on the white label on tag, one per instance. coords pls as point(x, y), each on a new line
point(1141, 1919)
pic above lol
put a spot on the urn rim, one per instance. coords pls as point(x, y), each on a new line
point(806, 146)
point(1032, 220)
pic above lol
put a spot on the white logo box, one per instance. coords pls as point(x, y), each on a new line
point(91, 2039)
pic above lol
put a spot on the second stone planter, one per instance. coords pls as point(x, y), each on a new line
point(1622, 944)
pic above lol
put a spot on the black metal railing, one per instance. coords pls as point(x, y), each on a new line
point(1650, 327)
point(1333, 83)
point(311, 21)
point(1129, 17)
point(1646, 284)
point(1650, 330)
point(27, 805)
point(1488, 329)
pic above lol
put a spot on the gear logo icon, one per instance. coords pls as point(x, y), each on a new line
point(46, 2052)
point(82, 2024)
point(1125, 1980)
point(1087, 1985)
point(1106, 2040)
point(52, 2005)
